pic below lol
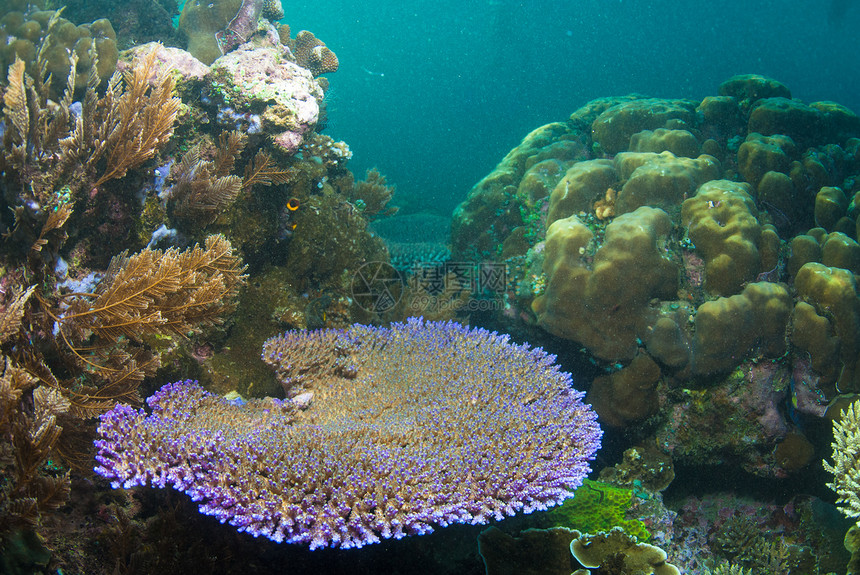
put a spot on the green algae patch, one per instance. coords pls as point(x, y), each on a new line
point(598, 507)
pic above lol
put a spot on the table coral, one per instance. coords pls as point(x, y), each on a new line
point(396, 430)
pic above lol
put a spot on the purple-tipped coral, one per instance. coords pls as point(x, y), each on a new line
point(391, 431)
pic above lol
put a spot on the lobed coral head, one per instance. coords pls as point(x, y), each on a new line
point(394, 431)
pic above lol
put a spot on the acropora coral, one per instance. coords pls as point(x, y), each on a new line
point(384, 434)
point(846, 460)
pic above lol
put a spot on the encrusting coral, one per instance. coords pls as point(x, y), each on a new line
point(260, 80)
point(615, 551)
point(597, 507)
point(387, 432)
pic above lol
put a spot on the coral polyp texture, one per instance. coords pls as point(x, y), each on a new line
point(387, 432)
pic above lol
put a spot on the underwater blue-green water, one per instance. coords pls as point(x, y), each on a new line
point(435, 93)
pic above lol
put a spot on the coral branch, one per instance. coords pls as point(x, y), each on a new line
point(10, 316)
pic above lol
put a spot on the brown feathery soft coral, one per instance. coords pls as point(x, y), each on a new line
point(139, 119)
point(28, 434)
point(154, 291)
point(53, 151)
point(13, 311)
point(149, 294)
point(203, 189)
point(124, 128)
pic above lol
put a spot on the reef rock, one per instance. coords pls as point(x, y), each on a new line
point(264, 87)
